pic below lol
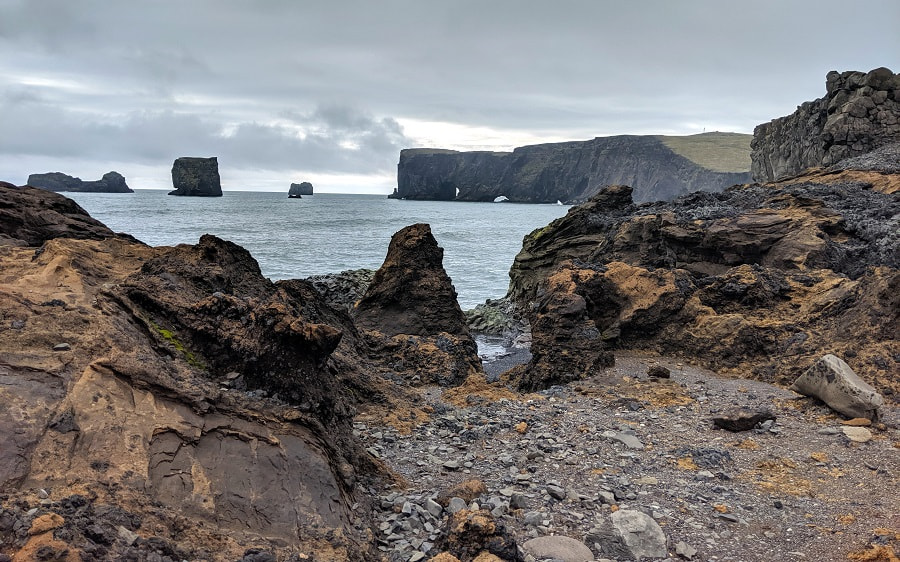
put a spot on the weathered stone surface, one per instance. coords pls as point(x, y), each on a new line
point(470, 533)
point(468, 490)
point(112, 182)
point(832, 381)
point(547, 173)
point(564, 549)
point(196, 177)
point(299, 189)
point(343, 290)
point(630, 535)
point(742, 419)
point(30, 216)
point(860, 112)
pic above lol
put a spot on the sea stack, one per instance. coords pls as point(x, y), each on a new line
point(298, 189)
point(197, 177)
point(111, 182)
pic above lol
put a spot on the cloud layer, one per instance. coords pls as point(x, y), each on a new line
point(322, 88)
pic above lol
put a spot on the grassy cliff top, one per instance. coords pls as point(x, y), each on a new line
point(720, 152)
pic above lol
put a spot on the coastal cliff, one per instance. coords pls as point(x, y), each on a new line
point(860, 112)
point(111, 182)
point(659, 168)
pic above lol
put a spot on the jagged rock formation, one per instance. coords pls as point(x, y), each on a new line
point(762, 280)
point(411, 305)
point(197, 177)
point(343, 290)
point(299, 189)
point(860, 112)
point(112, 182)
point(573, 171)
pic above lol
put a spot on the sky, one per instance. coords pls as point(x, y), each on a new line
point(329, 92)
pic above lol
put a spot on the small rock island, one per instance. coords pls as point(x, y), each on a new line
point(299, 189)
point(196, 177)
point(111, 182)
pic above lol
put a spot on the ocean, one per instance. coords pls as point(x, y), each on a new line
point(327, 233)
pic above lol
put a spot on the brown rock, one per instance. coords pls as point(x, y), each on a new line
point(467, 490)
point(658, 372)
point(470, 534)
point(46, 522)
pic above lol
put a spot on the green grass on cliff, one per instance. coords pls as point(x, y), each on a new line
point(720, 152)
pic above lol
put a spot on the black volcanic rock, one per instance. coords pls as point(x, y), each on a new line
point(547, 173)
point(298, 189)
point(112, 182)
point(197, 177)
point(859, 113)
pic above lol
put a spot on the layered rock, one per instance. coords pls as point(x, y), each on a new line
point(111, 182)
point(411, 305)
point(197, 177)
point(758, 280)
point(299, 189)
point(860, 112)
point(571, 171)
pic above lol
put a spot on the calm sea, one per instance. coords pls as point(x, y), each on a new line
point(327, 233)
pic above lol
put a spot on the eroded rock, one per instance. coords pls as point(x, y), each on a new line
point(832, 381)
point(196, 177)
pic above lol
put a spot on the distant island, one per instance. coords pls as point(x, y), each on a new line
point(658, 168)
point(299, 189)
point(111, 182)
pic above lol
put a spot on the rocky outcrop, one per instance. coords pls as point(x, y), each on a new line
point(30, 216)
point(569, 171)
point(860, 112)
point(757, 280)
point(197, 177)
point(343, 290)
point(299, 189)
point(411, 306)
point(112, 182)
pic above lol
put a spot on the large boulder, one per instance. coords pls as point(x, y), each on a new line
point(564, 549)
point(411, 315)
point(832, 381)
point(859, 112)
point(197, 177)
point(111, 182)
point(629, 535)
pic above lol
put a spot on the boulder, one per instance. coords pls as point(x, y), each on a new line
point(343, 290)
point(111, 182)
point(299, 189)
point(564, 549)
point(196, 177)
point(468, 534)
point(629, 535)
point(832, 381)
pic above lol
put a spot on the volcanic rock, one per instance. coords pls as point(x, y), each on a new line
point(197, 177)
point(832, 381)
point(299, 189)
point(112, 182)
point(343, 290)
point(564, 549)
point(860, 112)
point(470, 533)
point(742, 419)
point(629, 535)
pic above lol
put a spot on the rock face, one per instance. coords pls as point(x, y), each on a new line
point(112, 182)
point(568, 172)
point(833, 381)
point(411, 306)
point(198, 177)
point(760, 281)
point(299, 189)
point(343, 290)
point(860, 112)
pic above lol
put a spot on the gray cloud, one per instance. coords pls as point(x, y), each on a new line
point(321, 86)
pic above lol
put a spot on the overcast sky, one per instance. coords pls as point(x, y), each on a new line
point(329, 91)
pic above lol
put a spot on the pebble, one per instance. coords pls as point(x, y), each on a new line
point(857, 434)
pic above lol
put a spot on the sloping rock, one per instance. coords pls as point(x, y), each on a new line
point(832, 381)
point(411, 316)
point(860, 112)
point(111, 182)
point(740, 280)
point(30, 216)
point(568, 171)
point(196, 177)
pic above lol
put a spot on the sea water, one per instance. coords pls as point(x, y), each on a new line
point(327, 233)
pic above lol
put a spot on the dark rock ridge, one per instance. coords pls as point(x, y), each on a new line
point(197, 177)
point(547, 173)
point(860, 112)
point(112, 182)
point(761, 280)
point(299, 189)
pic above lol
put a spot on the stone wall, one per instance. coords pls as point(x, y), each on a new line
point(859, 113)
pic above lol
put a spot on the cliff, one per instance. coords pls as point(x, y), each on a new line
point(860, 112)
point(658, 168)
point(197, 177)
point(111, 182)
